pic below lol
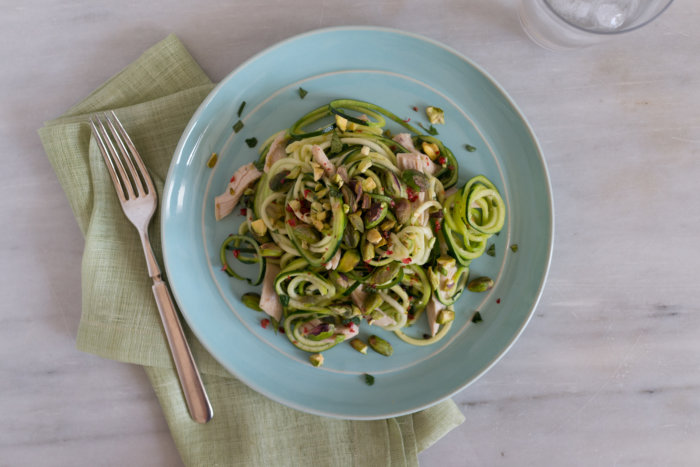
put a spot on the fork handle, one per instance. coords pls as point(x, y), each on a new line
point(195, 394)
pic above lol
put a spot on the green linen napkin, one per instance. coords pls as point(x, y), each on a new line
point(155, 97)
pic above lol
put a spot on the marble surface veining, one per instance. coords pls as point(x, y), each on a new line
point(608, 371)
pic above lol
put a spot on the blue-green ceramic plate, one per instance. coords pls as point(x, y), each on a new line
point(398, 71)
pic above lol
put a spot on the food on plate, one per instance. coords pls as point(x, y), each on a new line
point(347, 224)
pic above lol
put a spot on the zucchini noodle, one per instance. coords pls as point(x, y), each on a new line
point(347, 226)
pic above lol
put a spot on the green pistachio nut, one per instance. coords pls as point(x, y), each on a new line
point(480, 284)
point(358, 345)
point(316, 359)
point(252, 301)
point(445, 316)
point(381, 346)
point(348, 261)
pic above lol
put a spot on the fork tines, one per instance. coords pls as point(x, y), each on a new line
point(128, 172)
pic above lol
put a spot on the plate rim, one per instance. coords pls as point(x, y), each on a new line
point(196, 116)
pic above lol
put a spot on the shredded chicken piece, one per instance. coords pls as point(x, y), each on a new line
point(242, 179)
point(416, 161)
point(322, 160)
point(269, 300)
point(333, 263)
point(431, 311)
point(276, 151)
point(358, 297)
point(404, 139)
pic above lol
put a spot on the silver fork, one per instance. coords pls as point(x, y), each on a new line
point(138, 198)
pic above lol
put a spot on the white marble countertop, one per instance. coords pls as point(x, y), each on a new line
point(607, 372)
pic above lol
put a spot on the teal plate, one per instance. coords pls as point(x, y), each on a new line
point(396, 70)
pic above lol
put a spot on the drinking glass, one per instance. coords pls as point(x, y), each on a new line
point(564, 24)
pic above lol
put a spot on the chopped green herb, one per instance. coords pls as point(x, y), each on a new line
point(251, 142)
point(491, 250)
point(469, 147)
point(240, 109)
point(514, 247)
point(284, 300)
point(477, 318)
point(431, 130)
point(212, 160)
point(369, 379)
point(275, 324)
point(238, 126)
point(303, 92)
point(336, 144)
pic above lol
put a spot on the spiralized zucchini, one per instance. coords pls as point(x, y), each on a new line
point(361, 227)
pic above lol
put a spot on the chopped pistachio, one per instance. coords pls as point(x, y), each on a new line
point(374, 236)
point(318, 225)
point(338, 180)
point(435, 114)
point(356, 221)
point(294, 204)
point(348, 261)
point(445, 316)
point(364, 151)
point(431, 150)
point(446, 262)
point(252, 301)
point(372, 301)
point(346, 208)
point(316, 206)
point(388, 224)
point(316, 359)
point(212, 160)
point(381, 346)
point(367, 251)
point(480, 284)
point(382, 242)
point(341, 122)
point(365, 164)
point(368, 184)
point(358, 345)
point(318, 171)
point(258, 227)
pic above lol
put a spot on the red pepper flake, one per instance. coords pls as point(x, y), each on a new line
point(498, 300)
point(236, 253)
point(389, 252)
point(388, 268)
point(415, 109)
point(244, 211)
point(392, 203)
point(442, 160)
point(393, 148)
point(223, 268)
point(289, 208)
point(306, 192)
point(265, 323)
point(233, 179)
point(451, 167)
point(406, 261)
point(438, 227)
point(407, 119)
point(292, 222)
point(410, 315)
point(281, 330)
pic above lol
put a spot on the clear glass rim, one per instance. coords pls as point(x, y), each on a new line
point(606, 33)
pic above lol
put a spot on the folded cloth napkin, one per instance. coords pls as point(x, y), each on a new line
point(155, 97)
